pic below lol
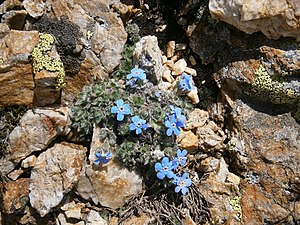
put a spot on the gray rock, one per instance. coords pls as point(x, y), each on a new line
point(275, 18)
point(93, 218)
point(55, 173)
point(148, 57)
point(37, 129)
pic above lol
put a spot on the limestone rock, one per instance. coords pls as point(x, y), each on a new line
point(73, 210)
point(29, 161)
point(275, 18)
point(188, 140)
point(179, 67)
point(148, 57)
point(45, 123)
point(93, 218)
point(16, 79)
point(197, 118)
point(108, 35)
point(35, 8)
point(211, 137)
point(111, 184)
point(14, 195)
point(55, 173)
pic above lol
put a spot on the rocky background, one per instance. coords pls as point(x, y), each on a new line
point(243, 132)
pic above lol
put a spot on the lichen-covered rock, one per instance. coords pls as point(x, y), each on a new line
point(45, 123)
point(14, 195)
point(55, 173)
point(17, 83)
point(275, 18)
point(147, 56)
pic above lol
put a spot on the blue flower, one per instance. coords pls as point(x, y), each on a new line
point(173, 125)
point(180, 159)
point(183, 183)
point(185, 83)
point(138, 124)
point(177, 113)
point(136, 74)
point(164, 169)
point(103, 157)
point(121, 109)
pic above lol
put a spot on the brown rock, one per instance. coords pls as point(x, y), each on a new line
point(14, 195)
point(16, 77)
point(26, 138)
point(170, 49)
point(35, 8)
point(197, 118)
point(139, 220)
point(188, 140)
point(55, 173)
point(275, 18)
point(258, 208)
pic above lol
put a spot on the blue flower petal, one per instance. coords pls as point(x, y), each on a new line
point(165, 161)
point(120, 116)
point(135, 119)
point(176, 131)
point(183, 153)
point(120, 103)
point(177, 189)
point(168, 123)
point(138, 130)
point(169, 131)
point(114, 109)
point(158, 166)
point(132, 126)
point(170, 174)
point(160, 175)
point(188, 182)
point(185, 175)
point(184, 190)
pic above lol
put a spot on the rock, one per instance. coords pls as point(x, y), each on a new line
point(14, 195)
point(190, 71)
point(170, 49)
point(17, 84)
point(297, 210)
point(10, 4)
point(188, 140)
point(211, 137)
point(231, 177)
point(14, 175)
point(108, 34)
point(46, 123)
point(193, 96)
point(167, 76)
point(29, 162)
point(257, 207)
point(273, 18)
point(48, 69)
point(15, 19)
point(4, 30)
point(35, 8)
point(73, 210)
point(179, 67)
point(197, 118)
point(6, 166)
point(55, 173)
point(139, 220)
point(209, 164)
point(148, 57)
point(93, 218)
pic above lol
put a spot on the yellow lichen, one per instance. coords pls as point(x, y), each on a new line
point(42, 61)
point(89, 34)
point(235, 203)
point(266, 86)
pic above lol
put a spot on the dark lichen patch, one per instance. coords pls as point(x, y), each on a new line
point(9, 119)
point(67, 36)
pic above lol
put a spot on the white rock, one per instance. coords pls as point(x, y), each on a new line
point(179, 67)
point(93, 218)
point(190, 71)
point(275, 18)
point(28, 162)
point(35, 8)
point(55, 173)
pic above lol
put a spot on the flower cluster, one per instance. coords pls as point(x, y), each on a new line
point(169, 168)
point(121, 109)
point(174, 121)
point(186, 82)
